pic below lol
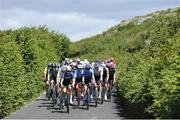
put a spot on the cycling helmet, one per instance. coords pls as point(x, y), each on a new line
point(88, 66)
point(53, 65)
point(63, 68)
point(111, 65)
point(86, 61)
point(80, 66)
point(78, 60)
point(57, 65)
point(73, 64)
point(68, 68)
point(103, 65)
point(70, 61)
point(66, 59)
point(50, 64)
point(96, 65)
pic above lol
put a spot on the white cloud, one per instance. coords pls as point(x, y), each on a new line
point(74, 25)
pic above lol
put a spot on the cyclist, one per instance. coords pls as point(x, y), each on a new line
point(105, 78)
point(60, 74)
point(88, 77)
point(68, 79)
point(112, 75)
point(46, 71)
point(51, 82)
point(98, 75)
point(78, 75)
point(46, 75)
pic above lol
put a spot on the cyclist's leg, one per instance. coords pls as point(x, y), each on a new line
point(100, 88)
point(106, 89)
point(71, 95)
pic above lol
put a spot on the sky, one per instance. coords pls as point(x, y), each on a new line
point(77, 19)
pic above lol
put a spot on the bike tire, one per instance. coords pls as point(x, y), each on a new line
point(88, 98)
point(96, 102)
point(67, 103)
point(60, 101)
point(49, 92)
point(54, 97)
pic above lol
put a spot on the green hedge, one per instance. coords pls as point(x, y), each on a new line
point(24, 53)
point(152, 77)
point(148, 61)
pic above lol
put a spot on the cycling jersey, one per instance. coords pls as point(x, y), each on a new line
point(98, 73)
point(53, 74)
point(111, 73)
point(78, 75)
point(105, 74)
point(88, 75)
point(68, 76)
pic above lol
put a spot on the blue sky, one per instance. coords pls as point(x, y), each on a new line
point(77, 19)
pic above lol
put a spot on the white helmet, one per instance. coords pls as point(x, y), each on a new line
point(73, 64)
point(80, 66)
point(78, 60)
point(68, 68)
point(103, 65)
point(86, 61)
point(70, 60)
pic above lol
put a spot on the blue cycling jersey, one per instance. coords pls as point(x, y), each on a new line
point(78, 74)
point(88, 74)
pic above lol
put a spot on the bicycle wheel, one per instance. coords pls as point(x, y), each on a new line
point(60, 97)
point(78, 96)
point(67, 102)
point(88, 97)
point(54, 96)
point(102, 94)
point(95, 96)
point(49, 92)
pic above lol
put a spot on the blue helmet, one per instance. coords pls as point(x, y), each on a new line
point(96, 65)
point(88, 66)
point(49, 64)
point(57, 65)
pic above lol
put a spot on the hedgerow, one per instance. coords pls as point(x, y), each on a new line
point(24, 53)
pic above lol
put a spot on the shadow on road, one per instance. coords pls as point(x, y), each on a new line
point(42, 99)
point(119, 107)
point(128, 112)
point(1, 117)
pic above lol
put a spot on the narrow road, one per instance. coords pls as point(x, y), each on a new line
point(41, 108)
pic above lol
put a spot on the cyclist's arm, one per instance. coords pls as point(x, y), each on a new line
point(45, 72)
point(101, 75)
point(114, 78)
point(62, 79)
point(48, 76)
point(73, 79)
point(58, 76)
point(92, 77)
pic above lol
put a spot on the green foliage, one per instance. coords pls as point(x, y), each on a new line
point(24, 53)
point(148, 57)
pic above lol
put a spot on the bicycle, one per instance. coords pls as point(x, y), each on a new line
point(64, 98)
point(110, 90)
point(94, 92)
point(87, 96)
point(103, 92)
point(78, 93)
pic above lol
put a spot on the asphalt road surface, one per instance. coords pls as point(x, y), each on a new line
point(41, 108)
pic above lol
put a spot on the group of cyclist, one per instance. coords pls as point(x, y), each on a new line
point(72, 72)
